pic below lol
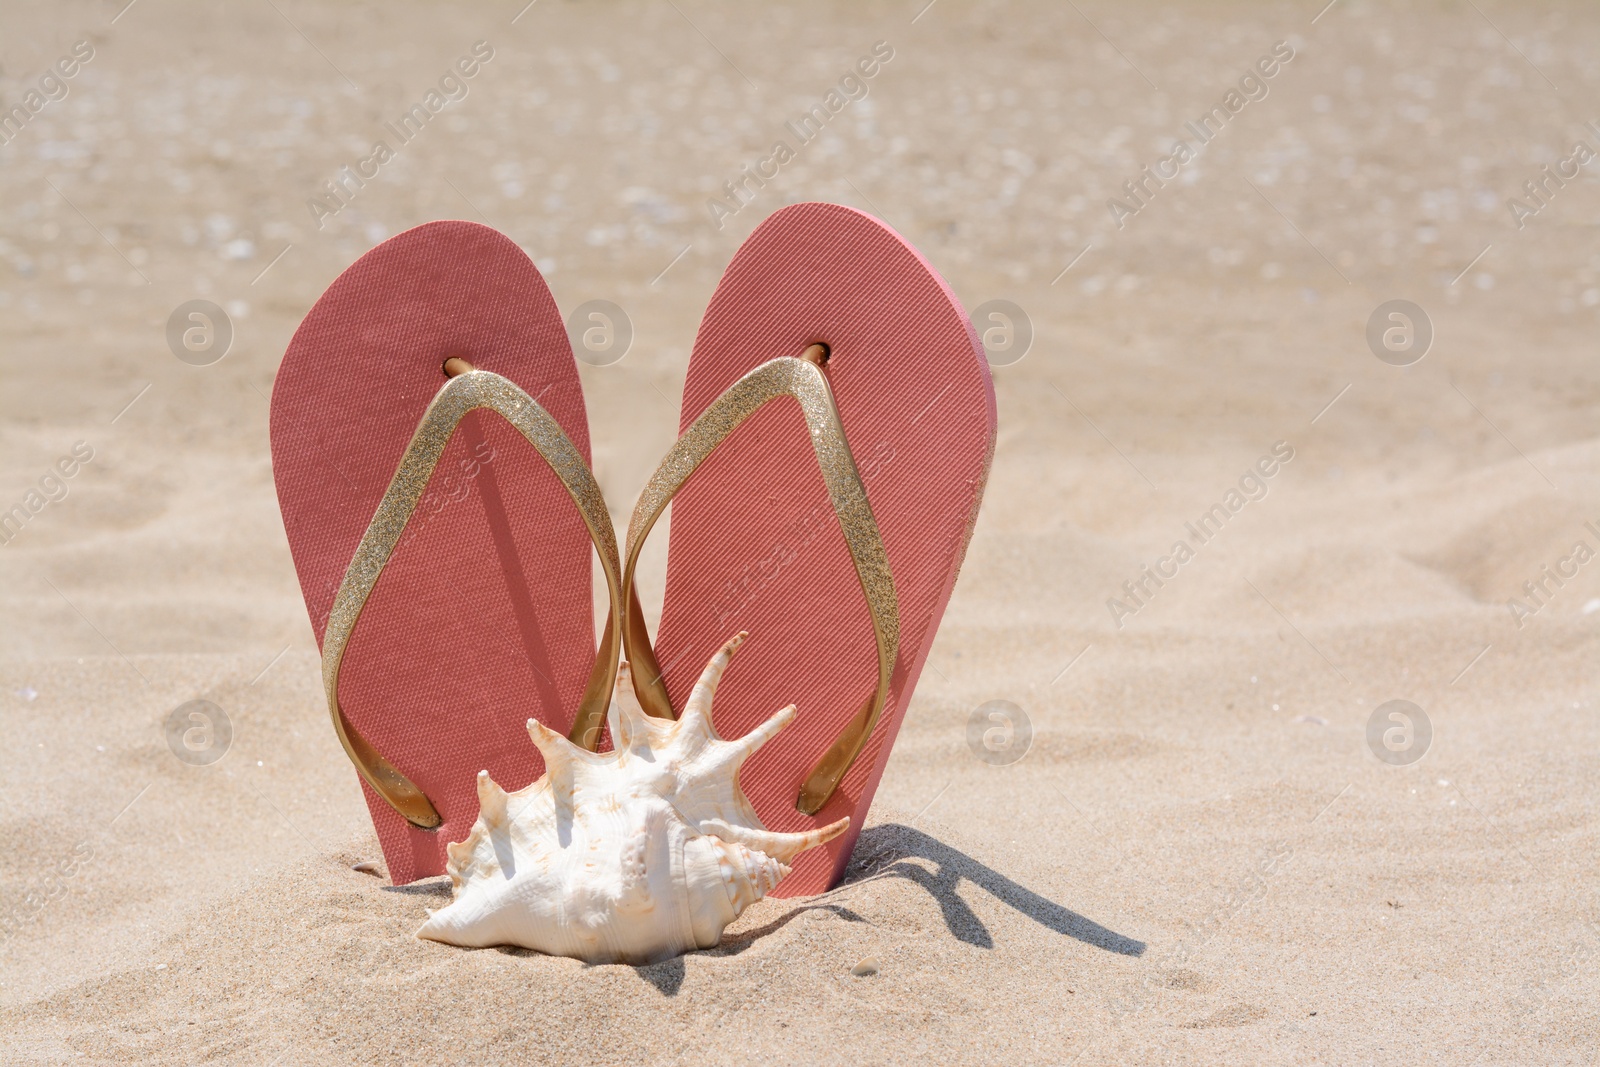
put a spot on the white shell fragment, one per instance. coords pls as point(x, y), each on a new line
point(629, 856)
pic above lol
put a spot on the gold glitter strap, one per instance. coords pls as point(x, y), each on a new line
point(465, 392)
point(805, 382)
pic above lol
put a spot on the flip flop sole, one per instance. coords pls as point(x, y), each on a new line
point(483, 616)
point(755, 544)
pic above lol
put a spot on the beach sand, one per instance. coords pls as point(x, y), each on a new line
point(1198, 859)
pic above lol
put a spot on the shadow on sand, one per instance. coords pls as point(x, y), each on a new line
point(892, 851)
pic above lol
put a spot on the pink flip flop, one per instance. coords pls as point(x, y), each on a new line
point(829, 525)
point(444, 551)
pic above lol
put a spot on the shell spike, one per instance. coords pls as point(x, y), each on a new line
point(626, 717)
point(491, 800)
point(697, 711)
point(556, 750)
point(781, 847)
point(736, 752)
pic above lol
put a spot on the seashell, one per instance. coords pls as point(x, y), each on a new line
point(629, 856)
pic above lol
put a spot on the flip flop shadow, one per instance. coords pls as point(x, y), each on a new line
point(888, 851)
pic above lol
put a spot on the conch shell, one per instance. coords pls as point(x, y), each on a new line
point(629, 856)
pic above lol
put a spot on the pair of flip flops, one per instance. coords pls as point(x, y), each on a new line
point(431, 452)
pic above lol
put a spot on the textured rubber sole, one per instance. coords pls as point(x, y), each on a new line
point(483, 617)
point(754, 542)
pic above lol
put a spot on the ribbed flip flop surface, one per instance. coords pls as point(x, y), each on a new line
point(483, 617)
point(754, 541)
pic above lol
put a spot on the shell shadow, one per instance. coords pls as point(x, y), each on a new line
point(438, 887)
point(667, 976)
point(884, 851)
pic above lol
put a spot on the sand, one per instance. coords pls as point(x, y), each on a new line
point(1199, 859)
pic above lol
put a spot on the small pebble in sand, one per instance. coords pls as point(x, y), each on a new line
point(865, 967)
point(366, 867)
